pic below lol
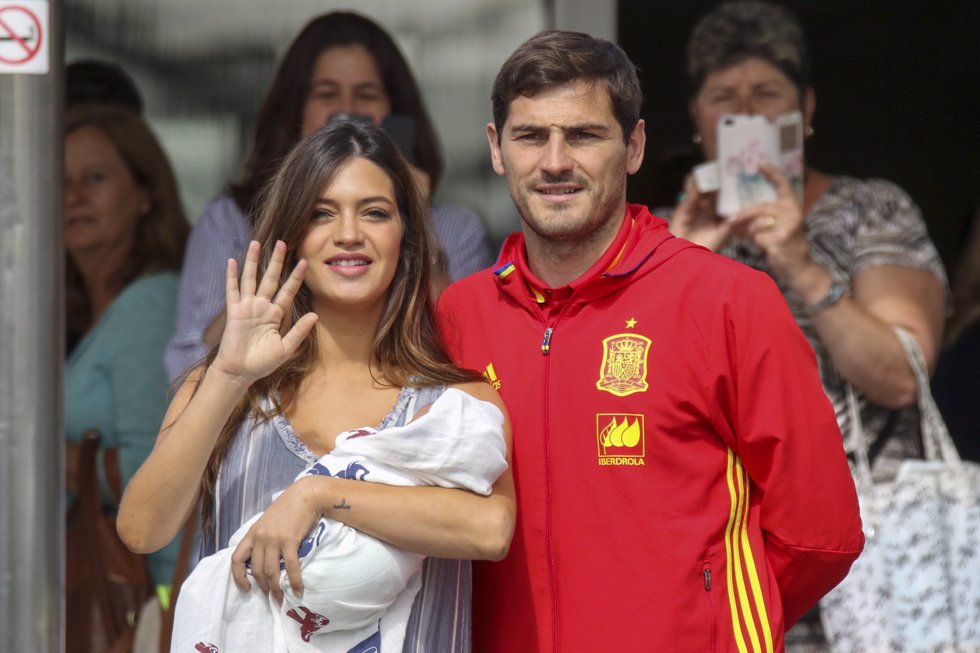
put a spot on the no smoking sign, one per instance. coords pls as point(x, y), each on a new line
point(23, 37)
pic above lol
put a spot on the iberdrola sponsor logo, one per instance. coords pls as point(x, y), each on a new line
point(621, 439)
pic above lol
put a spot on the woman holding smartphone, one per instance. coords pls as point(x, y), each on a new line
point(853, 258)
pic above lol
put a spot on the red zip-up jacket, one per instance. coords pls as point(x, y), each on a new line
point(681, 479)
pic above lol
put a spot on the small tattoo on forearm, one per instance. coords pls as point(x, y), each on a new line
point(343, 505)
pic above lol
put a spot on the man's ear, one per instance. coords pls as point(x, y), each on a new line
point(634, 147)
point(495, 155)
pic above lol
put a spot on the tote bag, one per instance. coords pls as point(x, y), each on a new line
point(916, 585)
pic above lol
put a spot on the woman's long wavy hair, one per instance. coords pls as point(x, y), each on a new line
point(281, 117)
point(407, 349)
point(160, 234)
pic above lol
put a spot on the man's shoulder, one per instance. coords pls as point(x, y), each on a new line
point(682, 257)
point(660, 248)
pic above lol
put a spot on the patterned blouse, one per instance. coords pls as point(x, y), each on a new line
point(857, 225)
point(265, 457)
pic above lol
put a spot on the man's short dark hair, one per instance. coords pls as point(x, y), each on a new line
point(557, 57)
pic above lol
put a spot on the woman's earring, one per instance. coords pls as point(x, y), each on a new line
point(808, 131)
point(696, 138)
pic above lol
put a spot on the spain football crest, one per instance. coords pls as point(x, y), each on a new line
point(624, 364)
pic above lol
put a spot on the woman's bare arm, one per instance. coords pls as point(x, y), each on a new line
point(160, 495)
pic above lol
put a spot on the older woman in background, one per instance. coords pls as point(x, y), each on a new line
point(124, 233)
point(852, 257)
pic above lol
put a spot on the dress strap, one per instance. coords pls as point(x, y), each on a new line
point(410, 401)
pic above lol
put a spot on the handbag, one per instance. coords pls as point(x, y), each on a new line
point(916, 585)
point(106, 583)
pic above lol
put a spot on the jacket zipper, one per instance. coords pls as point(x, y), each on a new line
point(545, 349)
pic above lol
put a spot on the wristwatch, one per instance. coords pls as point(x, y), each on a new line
point(834, 295)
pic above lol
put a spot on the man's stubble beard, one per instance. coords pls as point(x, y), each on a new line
point(566, 233)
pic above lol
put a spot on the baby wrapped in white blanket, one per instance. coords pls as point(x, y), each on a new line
point(358, 590)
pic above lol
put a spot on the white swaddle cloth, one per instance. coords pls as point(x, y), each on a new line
point(358, 591)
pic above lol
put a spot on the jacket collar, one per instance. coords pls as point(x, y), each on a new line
point(630, 254)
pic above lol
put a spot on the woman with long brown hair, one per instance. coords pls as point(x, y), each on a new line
point(341, 65)
point(335, 334)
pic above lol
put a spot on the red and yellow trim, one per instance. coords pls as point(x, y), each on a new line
point(746, 603)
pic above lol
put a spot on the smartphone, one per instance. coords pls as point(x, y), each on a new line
point(746, 142)
point(400, 128)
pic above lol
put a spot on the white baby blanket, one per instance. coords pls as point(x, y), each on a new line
point(358, 590)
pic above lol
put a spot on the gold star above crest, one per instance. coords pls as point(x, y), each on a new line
point(630, 323)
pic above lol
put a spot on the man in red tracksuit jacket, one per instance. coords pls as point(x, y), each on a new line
point(681, 480)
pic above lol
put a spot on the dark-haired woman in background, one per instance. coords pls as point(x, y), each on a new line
point(340, 63)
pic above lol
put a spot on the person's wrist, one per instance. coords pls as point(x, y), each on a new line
point(811, 283)
point(817, 289)
point(321, 493)
point(835, 293)
point(232, 380)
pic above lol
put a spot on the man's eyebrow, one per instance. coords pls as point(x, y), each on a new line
point(583, 126)
point(587, 127)
point(527, 127)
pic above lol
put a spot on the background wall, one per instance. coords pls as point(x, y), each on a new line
point(898, 96)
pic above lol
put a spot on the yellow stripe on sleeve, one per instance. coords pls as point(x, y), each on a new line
point(753, 573)
point(741, 520)
point(732, 605)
